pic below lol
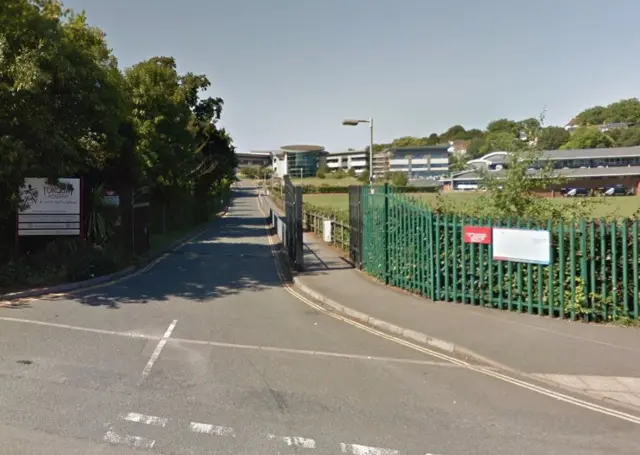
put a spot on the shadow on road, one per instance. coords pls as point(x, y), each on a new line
point(230, 258)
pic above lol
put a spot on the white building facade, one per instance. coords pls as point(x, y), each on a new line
point(357, 160)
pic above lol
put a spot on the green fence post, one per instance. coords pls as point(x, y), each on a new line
point(624, 233)
point(454, 258)
point(386, 233)
point(572, 269)
point(583, 263)
point(635, 268)
point(614, 269)
point(592, 267)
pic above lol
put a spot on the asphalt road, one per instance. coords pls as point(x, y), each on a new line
point(206, 353)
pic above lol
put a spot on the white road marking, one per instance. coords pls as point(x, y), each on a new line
point(80, 329)
point(212, 429)
point(158, 349)
point(132, 441)
point(438, 363)
point(149, 420)
point(357, 449)
point(482, 370)
point(295, 441)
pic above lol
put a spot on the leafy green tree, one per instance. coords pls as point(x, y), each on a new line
point(622, 111)
point(161, 118)
point(456, 132)
point(364, 177)
point(60, 92)
point(625, 137)
point(351, 172)
point(409, 141)
point(475, 133)
point(475, 148)
point(553, 137)
point(504, 126)
point(588, 138)
point(503, 141)
point(433, 139)
point(399, 179)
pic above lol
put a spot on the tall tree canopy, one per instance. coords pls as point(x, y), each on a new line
point(66, 109)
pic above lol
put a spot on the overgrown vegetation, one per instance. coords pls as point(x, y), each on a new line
point(68, 110)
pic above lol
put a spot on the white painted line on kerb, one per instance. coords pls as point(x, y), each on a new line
point(158, 349)
point(149, 420)
point(295, 441)
point(132, 441)
point(212, 429)
point(357, 449)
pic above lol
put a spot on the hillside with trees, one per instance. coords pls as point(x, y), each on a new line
point(68, 110)
point(615, 125)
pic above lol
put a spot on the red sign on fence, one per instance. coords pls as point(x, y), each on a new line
point(477, 234)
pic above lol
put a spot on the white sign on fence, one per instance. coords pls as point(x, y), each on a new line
point(50, 209)
point(522, 245)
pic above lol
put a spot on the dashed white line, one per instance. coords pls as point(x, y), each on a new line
point(357, 449)
point(295, 441)
point(149, 420)
point(133, 441)
point(212, 429)
point(158, 349)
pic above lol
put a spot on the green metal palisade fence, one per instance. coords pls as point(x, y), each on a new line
point(593, 273)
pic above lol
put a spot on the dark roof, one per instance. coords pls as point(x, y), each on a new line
point(302, 148)
point(614, 171)
point(254, 154)
point(618, 152)
point(576, 154)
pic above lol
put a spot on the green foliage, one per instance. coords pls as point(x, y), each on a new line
point(588, 138)
point(364, 176)
point(250, 172)
point(69, 111)
point(339, 174)
point(399, 179)
point(351, 172)
point(626, 110)
point(553, 137)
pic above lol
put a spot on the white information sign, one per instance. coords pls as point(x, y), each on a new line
point(50, 209)
point(41, 197)
point(522, 245)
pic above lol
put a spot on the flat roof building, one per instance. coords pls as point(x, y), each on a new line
point(590, 168)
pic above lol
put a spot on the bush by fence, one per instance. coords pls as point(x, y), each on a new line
point(593, 274)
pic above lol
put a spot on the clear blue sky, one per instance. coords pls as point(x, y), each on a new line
point(290, 70)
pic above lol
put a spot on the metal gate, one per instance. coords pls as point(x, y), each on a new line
point(293, 221)
point(355, 225)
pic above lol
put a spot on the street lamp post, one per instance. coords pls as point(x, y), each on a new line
point(354, 122)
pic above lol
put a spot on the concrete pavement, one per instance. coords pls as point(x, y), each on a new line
point(207, 352)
